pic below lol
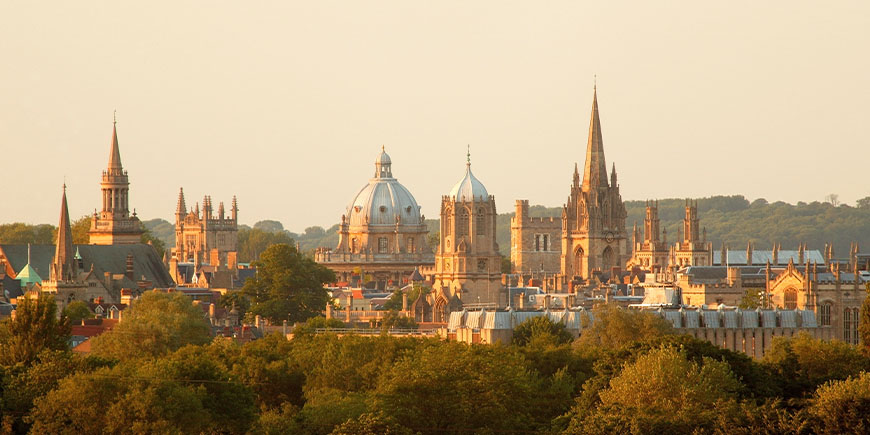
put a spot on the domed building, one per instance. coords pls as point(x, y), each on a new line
point(467, 262)
point(382, 235)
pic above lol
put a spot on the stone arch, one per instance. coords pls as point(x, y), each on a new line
point(439, 315)
point(607, 259)
point(578, 262)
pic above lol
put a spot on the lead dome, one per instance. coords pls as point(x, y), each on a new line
point(383, 201)
point(469, 188)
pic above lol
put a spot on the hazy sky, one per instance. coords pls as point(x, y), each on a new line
point(287, 103)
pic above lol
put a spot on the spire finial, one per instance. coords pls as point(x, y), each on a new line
point(594, 82)
point(468, 156)
point(383, 148)
point(114, 117)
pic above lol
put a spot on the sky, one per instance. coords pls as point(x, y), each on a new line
point(286, 104)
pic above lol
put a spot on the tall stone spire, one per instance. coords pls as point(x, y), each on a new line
point(595, 171)
point(62, 267)
point(115, 153)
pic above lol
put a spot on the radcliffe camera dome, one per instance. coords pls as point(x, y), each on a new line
point(383, 201)
point(469, 188)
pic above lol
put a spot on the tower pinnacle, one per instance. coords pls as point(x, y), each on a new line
point(595, 171)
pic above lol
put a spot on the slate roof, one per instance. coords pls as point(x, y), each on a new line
point(761, 256)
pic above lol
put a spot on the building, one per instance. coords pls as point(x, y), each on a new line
point(535, 242)
point(382, 235)
point(651, 252)
point(593, 239)
point(692, 248)
point(467, 261)
point(205, 239)
point(113, 224)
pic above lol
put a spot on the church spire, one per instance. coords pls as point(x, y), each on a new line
point(62, 267)
point(115, 153)
point(595, 171)
point(181, 208)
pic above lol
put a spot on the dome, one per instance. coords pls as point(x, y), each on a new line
point(384, 200)
point(469, 188)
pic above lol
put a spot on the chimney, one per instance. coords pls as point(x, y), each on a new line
point(129, 272)
point(733, 275)
point(109, 283)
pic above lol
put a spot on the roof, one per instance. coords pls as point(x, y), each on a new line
point(469, 188)
point(763, 256)
point(27, 275)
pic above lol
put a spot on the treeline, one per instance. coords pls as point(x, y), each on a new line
point(159, 371)
point(44, 234)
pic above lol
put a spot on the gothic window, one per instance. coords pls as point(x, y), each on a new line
point(847, 325)
point(382, 245)
point(462, 224)
point(546, 242)
point(790, 299)
point(825, 314)
point(537, 242)
point(578, 262)
point(607, 259)
point(481, 223)
point(448, 225)
point(411, 244)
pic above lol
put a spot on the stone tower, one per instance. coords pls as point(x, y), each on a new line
point(114, 225)
point(650, 252)
point(208, 237)
point(593, 219)
point(467, 263)
point(692, 249)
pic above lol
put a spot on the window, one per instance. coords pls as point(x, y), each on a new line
point(354, 245)
point(790, 299)
point(481, 223)
point(537, 242)
point(448, 225)
point(825, 314)
point(850, 325)
point(546, 242)
point(382, 245)
point(410, 244)
point(462, 224)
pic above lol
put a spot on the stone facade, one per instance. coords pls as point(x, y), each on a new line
point(467, 262)
point(206, 237)
point(114, 224)
point(536, 242)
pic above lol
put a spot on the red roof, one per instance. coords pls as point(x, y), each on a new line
point(92, 328)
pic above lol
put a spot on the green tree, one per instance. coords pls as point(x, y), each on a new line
point(863, 202)
point(864, 324)
point(541, 331)
point(36, 327)
point(20, 233)
point(288, 285)
point(75, 311)
point(80, 228)
point(156, 324)
point(371, 424)
point(252, 242)
point(235, 298)
point(269, 226)
point(149, 239)
point(615, 327)
point(393, 320)
point(472, 387)
point(314, 323)
point(843, 406)
point(751, 299)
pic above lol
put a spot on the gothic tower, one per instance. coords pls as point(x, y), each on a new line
point(593, 219)
point(692, 248)
point(650, 253)
point(114, 225)
point(63, 267)
point(467, 263)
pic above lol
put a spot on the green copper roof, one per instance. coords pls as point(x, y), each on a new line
point(28, 275)
point(77, 256)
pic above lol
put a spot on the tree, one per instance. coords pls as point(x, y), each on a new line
point(237, 299)
point(433, 239)
point(541, 330)
point(371, 424)
point(506, 265)
point(80, 228)
point(288, 285)
point(156, 324)
point(314, 323)
point(20, 233)
point(864, 324)
point(863, 202)
point(149, 239)
point(615, 327)
point(269, 226)
point(252, 242)
point(833, 199)
point(36, 327)
point(843, 406)
point(395, 321)
point(75, 311)
point(751, 299)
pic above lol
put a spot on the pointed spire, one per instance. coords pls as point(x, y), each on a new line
point(115, 153)
point(181, 208)
point(595, 170)
point(468, 157)
point(576, 176)
point(62, 267)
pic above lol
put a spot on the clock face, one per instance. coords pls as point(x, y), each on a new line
point(481, 265)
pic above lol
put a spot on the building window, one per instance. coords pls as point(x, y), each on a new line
point(481, 223)
point(411, 244)
point(462, 224)
point(382, 245)
point(825, 314)
point(448, 226)
point(847, 325)
point(537, 242)
point(546, 242)
point(354, 245)
point(790, 299)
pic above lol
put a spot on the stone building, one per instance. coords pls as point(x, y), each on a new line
point(536, 242)
point(206, 237)
point(114, 224)
point(467, 262)
point(651, 252)
point(382, 235)
point(692, 248)
point(593, 237)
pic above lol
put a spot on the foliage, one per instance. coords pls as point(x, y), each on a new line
point(863, 202)
point(541, 331)
point(395, 302)
point(371, 424)
point(20, 233)
point(864, 324)
point(269, 226)
point(75, 311)
point(394, 320)
point(252, 242)
point(80, 228)
point(751, 299)
point(149, 239)
point(161, 229)
point(237, 299)
point(314, 323)
point(158, 323)
point(36, 327)
point(615, 327)
point(802, 363)
point(843, 406)
point(288, 285)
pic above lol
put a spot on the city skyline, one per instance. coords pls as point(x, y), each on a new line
point(775, 110)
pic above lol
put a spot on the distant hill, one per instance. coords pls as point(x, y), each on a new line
point(732, 219)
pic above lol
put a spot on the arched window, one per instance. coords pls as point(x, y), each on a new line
point(382, 245)
point(607, 259)
point(481, 223)
point(462, 223)
point(448, 226)
point(411, 244)
point(825, 314)
point(790, 299)
point(578, 262)
point(847, 325)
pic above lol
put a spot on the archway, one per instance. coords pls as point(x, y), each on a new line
point(607, 259)
point(579, 257)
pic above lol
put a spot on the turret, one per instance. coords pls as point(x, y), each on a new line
point(235, 210)
point(181, 206)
